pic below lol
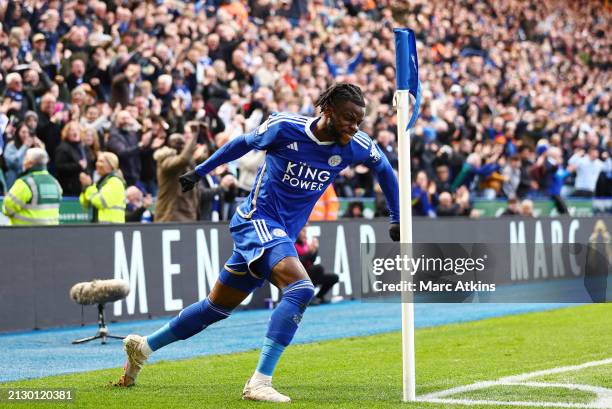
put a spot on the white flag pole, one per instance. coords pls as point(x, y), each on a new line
point(402, 100)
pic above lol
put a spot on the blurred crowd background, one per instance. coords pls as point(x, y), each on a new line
point(516, 95)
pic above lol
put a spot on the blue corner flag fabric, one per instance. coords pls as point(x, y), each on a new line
point(407, 68)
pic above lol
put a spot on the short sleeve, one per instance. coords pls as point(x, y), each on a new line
point(366, 151)
point(264, 136)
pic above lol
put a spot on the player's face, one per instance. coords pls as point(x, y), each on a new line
point(344, 121)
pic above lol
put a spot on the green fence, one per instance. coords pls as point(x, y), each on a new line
point(545, 207)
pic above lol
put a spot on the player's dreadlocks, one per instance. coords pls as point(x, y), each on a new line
point(339, 93)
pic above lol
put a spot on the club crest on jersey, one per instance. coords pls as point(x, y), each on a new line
point(334, 160)
point(279, 232)
point(374, 154)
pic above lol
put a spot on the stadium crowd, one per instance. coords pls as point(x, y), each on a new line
point(515, 94)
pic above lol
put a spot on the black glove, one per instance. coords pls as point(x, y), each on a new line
point(188, 180)
point(394, 231)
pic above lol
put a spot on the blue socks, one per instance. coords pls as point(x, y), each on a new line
point(284, 323)
point(288, 314)
point(196, 317)
point(189, 322)
point(161, 338)
point(270, 354)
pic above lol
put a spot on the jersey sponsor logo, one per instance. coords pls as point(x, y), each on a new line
point(374, 154)
point(279, 232)
point(293, 146)
point(334, 160)
point(302, 176)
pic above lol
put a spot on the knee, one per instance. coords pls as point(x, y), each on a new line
point(299, 292)
point(309, 294)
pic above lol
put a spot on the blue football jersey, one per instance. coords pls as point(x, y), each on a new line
point(298, 168)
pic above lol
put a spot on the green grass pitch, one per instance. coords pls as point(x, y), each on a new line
point(366, 372)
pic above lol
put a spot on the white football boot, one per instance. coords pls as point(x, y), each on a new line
point(262, 390)
point(133, 346)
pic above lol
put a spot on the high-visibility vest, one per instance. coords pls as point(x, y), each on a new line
point(326, 207)
point(34, 199)
point(107, 199)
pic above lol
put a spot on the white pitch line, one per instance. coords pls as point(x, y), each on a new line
point(515, 379)
point(599, 390)
point(603, 400)
point(471, 402)
point(460, 389)
point(553, 371)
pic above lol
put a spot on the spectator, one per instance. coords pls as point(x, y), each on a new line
point(41, 55)
point(71, 160)
point(423, 193)
point(98, 74)
point(473, 168)
point(106, 197)
point(554, 176)
point(386, 141)
point(308, 252)
point(343, 184)
point(491, 185)
point(94, 118)
point(51, 120)
point(123, 86)
point(354, 210)
point(50, 27)
point(154, 130)
point(445, 206)
point(512, 176)
point(91, 145)
point(217, 194)
point(77, 74)
point(343, 64)
point(14, 91)
point(31, 120)
point(513, 208)
point(525, 183)
point(137, 207)
point(249, 166)
point(25, 205)
point(15, 151)
point(172, 161)
point(35, 84)
point(588, 167)
point(442, 178)
point(326, 207)
point(124, 141)
point(604, 184)
point(164, 93)
point(463, 201)
point(527, 208)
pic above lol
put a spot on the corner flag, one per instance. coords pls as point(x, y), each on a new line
point(407, 79)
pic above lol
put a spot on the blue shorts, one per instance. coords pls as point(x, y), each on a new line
point(258, 246)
